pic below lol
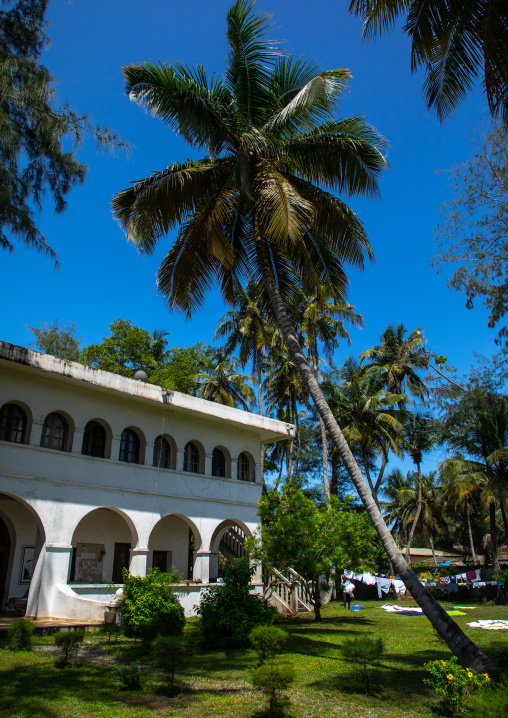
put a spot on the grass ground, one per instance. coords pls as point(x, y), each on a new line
point(216, 683)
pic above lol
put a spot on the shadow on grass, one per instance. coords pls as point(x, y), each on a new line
point(383, 680)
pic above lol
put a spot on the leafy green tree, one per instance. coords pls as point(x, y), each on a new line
point(312, 540)
point(261, 203)
point(58, 341)
point(224, 384)
point(126, 349)
point(473, 235)
point(182, 368)
point(456, 43)
point(34, 129)
point(399, 358)
point(150, 605)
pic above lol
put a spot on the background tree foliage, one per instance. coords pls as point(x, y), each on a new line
point(59, 341)
point(474, 234)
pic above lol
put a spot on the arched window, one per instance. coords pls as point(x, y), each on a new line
point(55, 432)
point(129, 447)
point(161, 453)
point(244, 467)
point(191, 458)
point(94, 440)
point(12, 423)
point(218, 463)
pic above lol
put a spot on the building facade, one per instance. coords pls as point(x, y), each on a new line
point(99, 473)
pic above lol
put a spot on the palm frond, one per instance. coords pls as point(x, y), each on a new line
point(200, 112)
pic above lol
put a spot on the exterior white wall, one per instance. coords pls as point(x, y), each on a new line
point(22, 528)
point(151, 508)
point(171, 534)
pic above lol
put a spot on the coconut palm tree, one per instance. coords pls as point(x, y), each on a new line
point(365, 412)
point(455, 42)
point(321, 323)
point(461, 491)
point(421, 506)
point(262, 204)
point(224, 384)
point(248, 329)
point(399, 357)
point(419, 436)
point(486, 443)
point(392, 506)
point(284, 390)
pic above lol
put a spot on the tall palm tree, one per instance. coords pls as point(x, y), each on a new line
point(321, 322)
point(392, 506)
point(365, 412)
point(455, 42)
point(420, 506)
point(399, 357)
point(419, 435)
point(248, 329)
point(461, 490)
point(284, 390)
point(262, 204)
point(224, 384)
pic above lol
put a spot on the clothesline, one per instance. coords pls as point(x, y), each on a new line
point(382, 581)
point(469, 579)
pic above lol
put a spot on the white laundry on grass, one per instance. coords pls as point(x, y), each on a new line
point(490, 625)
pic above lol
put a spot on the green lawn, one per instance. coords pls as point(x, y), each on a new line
point(216, 682)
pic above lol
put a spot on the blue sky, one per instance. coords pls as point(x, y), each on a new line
point(102, 277)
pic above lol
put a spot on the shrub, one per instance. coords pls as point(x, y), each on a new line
point(363, 651)
point(129, 676)
point(68, 641)
point(228, 613)
point(454, 684)
point(150, 607)
point(491, 702)
point(168, 656)
point(111, 630)
point(267, 641)
point(19, 635)
point(273, 679)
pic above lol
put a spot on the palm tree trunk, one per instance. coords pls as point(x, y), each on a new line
point(468, 654)
point(298, 438)
point(493, 536)
point(260, 410)
point(324, 443)
point(505, 521)
point(470, 533)
point(334, 460)
point(416, 518)
point(381, 472)
point(432, 547)
point(367, 474)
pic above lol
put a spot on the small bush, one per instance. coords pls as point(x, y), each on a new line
point(130, 677)
point(363, 651)
point(491, 702)
point(273, 679)
point(168, 656)
point(454, 684)
point(228, 613)
point(150, 607)
point(69, 642)
point(267, 641)
point(19, 635)
point(111, 630)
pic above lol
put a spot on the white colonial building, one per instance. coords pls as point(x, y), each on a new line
point(100, 473)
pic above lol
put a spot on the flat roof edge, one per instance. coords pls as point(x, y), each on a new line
point(132, 387)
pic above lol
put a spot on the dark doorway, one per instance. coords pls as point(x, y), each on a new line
point(121, 560)
point(161, 560)
point(5, 552)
